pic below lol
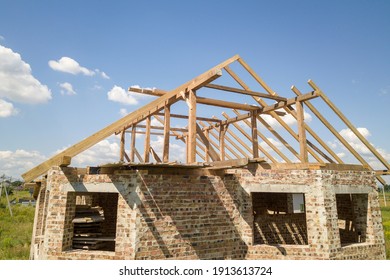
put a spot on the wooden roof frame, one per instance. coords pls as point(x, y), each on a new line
point(197, 134)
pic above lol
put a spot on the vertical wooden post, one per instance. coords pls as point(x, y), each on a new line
point(206, 147)
point(255, 146)
point(191, 142)
point(222, 132)
point(147, 140)
point(122, 147)
point(167, 128)
point(132, 144)
point(303, 153)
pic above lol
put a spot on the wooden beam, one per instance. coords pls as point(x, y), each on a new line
point(301, 133)
point(316, 137)
point(162, 128)
point(191, 144)
point(246, 92)
point(216, 136)
point(233, 143)
point(167, 128)
point(138, 155)
point(249, 149)
point(155, 155)
point(222, 132)
point(186, 117)
point(122, 147)
point(147, 140)
point(204, 100)
point(267, 141)
point(132, 144)
point(206, 147)
point(349, 124)
point(65, 161)
point(213, 154)
point(255, 143)
point(329, 126)
point(262, 103)
point(130, 119)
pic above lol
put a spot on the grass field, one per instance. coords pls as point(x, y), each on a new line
point(16, 231)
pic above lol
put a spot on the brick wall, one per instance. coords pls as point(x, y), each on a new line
point(173, 213)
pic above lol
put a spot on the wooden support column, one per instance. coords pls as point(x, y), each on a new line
point(255, 142)
point(191, 141)
point(301, 133)
point(147, 140)
point(122, 147)
point(132, 144)
point(206, 147)
point(222, 132)
point(167, 128)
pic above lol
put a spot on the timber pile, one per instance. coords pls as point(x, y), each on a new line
point(88, 228)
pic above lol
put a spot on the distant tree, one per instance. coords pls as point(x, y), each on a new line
point(387, 188)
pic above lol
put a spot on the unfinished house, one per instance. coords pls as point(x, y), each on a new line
point(253, 182)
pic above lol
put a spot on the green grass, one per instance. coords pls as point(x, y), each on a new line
point(15, 231)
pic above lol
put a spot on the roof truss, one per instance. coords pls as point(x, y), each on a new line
point(231, 137)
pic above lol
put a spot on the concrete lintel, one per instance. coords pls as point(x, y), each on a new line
point(352, 189)
point(279, 188)
point(93, 187)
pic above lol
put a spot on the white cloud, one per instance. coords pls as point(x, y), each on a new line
point(352, 139)
point(123, 112)
point(176, 152)
point(277, 144)
point(67, 89)
point(106, 151)
point(17, 82)
point(7, 109)
point(118, 94)
point(102, 74)
point(288, 119)
point(15, 163)
point(69, 65)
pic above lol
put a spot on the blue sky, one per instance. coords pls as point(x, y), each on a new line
point(105, 45)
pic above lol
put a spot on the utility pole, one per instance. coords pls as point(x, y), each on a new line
point(4, 186)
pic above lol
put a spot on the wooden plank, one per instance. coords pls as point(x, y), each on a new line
point(167, 128)
point(191, 144)
point(235, 163)
point(267, 141)
point(138, 155)
point(122, 147)
point(240, 129)
point(177, 135)
point(147, 140)
point(186, 117)
point(340, 138)
point(272, 108)
point(349, 124)
point(130, 119)
point(316, 137)
point(255, 143)
point(233, 143)
point(301, 133)
point(155, 155)
point(246, 92)
point(262, 103)
point(216, 136)
point(213, 154)
point(162, 127)
point(65, 161)
point(132, 144)
point(222, 132)
point(206, 147)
